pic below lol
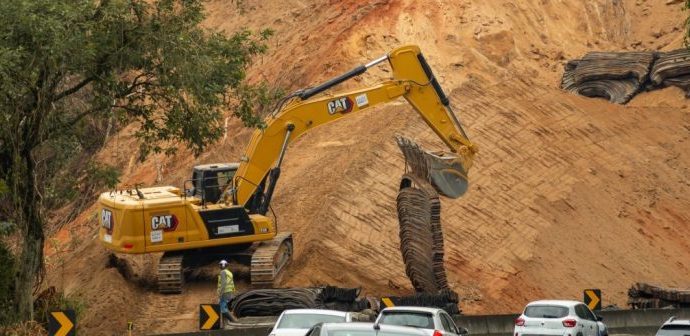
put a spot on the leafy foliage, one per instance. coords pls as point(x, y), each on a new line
point(149, 60)
point(72, 70)
point(59, 301)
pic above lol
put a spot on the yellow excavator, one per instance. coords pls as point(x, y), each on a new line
point(223, 208)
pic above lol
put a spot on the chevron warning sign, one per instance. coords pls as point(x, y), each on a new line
point(209, 316)
point(386, 302)
point(62, 323)
point(593, 298)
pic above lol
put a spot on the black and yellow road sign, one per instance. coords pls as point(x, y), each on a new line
point(386, 302)
point(209, 316)
point(593, 298)
point(62, 323)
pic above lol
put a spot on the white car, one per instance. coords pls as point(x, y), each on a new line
point(557, 317)
point(674, 327)
point(433, 321)
point(296, 322)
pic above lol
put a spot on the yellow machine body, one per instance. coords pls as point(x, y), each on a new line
point(166, 221)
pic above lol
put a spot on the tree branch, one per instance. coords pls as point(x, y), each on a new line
point(74, 89)
point(71, 122)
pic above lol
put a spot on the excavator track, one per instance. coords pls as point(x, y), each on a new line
point(269, 259)
point(421, 235)
point(171, 273)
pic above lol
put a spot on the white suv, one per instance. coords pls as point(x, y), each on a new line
point(674, 327)
point(556, 317)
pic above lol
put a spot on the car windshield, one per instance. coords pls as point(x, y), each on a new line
point(544, 311)
point(674, 330)
point(306, 321)
point(408, 319)
point(684, 327)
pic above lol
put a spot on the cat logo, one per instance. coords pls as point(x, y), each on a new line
point(342, 105)
point(107, 220)
point(164, 222)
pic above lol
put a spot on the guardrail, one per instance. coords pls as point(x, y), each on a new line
point(632, 322)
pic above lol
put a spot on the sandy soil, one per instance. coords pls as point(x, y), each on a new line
point(567, 193)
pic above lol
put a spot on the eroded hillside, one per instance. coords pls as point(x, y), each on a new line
point(567, 192)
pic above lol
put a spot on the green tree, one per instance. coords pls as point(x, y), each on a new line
point(66, 65)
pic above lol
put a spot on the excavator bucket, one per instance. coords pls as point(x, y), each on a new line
point(445, 171)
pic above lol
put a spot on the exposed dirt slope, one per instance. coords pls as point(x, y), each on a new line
point(567, 193)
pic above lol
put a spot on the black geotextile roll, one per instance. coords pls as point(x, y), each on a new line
point(354, 306)
point(416, 241)
point(272, 302)
point(421, 236)
point(670, 65)
point(445, 299)
point(619, 76)
point(614, 76)
point(331, 293)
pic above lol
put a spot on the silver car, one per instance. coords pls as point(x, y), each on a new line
point(296, 322)
point(433, 321)
point(674, 327)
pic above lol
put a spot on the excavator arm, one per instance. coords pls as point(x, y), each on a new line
point(306, 109)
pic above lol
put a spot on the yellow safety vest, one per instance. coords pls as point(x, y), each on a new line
point(229, 284)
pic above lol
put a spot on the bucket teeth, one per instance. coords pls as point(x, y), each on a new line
point(445, 171)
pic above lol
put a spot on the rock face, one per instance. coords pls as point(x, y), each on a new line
point(619, 76)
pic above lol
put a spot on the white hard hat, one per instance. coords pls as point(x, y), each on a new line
point(223, 262)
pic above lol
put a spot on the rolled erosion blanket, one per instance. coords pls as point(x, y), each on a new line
point(669, 66)
point(272, 302)
point(331, 293)
point(614, 76)
point(421, 236)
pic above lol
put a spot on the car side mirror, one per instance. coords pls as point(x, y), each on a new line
point(463, 331)
point(599, 318)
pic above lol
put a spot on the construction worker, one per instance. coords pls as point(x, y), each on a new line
point(226, 288)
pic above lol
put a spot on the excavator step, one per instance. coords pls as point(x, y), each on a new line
point(269, 260)
point(171, 274)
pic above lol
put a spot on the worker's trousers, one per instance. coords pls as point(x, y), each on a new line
point(224, 300)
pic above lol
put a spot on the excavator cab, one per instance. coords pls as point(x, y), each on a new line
point(209, 180)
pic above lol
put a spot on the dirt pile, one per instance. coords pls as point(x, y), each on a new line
point(567, 193)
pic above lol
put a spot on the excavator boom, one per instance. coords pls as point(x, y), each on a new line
point(307, 109)
point(189, 225)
